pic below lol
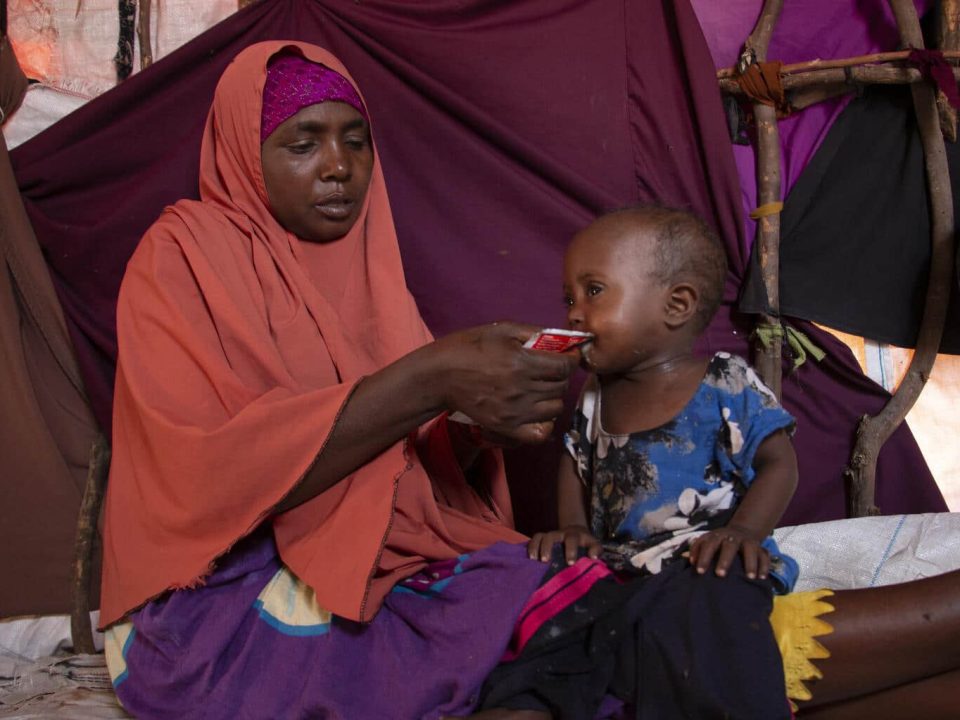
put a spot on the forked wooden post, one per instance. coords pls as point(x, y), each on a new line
point(874, 431)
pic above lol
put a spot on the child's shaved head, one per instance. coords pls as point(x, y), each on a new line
point(685, 249)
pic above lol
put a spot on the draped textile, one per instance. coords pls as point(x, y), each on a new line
point(47, 431)
point(502, 129)
point(862, 204)
point(239, 345)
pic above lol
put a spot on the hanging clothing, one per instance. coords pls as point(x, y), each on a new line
point(855, 229)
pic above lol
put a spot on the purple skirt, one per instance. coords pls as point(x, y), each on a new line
point(253, 643)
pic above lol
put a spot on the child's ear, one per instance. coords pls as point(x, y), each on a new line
point(681, 305)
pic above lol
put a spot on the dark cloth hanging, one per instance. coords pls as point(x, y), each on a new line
point(47, 426)
point(503, 128)
point(855, 229)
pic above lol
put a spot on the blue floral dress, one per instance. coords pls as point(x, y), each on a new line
point(652, 492)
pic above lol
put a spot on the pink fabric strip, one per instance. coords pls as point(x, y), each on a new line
point(558, 593)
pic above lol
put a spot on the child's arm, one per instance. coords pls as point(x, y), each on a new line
point(572, 517)
point(762, 506)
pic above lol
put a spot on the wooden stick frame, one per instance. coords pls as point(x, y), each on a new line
point(818, 80)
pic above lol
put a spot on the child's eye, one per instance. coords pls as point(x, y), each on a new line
point(567, 300)
point(594, 289)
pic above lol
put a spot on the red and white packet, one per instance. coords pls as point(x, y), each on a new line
point(557, 340)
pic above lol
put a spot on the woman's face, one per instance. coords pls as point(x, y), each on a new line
point(316, 168)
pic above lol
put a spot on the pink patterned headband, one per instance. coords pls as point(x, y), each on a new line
point(293, 83)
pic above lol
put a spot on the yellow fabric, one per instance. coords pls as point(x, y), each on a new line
point(796, 625)
point(771, 208)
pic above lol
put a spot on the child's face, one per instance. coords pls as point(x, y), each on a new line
point(610, 291)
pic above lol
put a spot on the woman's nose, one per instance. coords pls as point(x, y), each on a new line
point(335, 165)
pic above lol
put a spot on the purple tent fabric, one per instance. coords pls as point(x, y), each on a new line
point(503, 128)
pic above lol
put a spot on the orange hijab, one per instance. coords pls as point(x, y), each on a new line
point(239, 345)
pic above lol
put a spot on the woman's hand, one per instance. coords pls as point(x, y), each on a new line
point(487, 374)
point(724, 544)
point(573, 538)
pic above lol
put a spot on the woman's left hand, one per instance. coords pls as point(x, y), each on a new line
point(724, 544)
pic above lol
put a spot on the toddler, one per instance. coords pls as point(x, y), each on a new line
point(678, 468)
point(669, 454)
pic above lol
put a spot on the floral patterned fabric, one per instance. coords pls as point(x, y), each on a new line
point(652, 492)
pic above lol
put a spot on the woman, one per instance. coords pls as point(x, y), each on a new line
point(277, 430)
point(294, 527)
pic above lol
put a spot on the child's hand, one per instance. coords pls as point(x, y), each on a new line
point(573, 538)
point(724, 544)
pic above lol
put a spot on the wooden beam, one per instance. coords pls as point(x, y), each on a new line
point(853, 76)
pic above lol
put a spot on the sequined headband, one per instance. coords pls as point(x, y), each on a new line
point(293, 83)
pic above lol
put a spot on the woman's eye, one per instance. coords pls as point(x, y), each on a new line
point(300, 148)
point(356, 143)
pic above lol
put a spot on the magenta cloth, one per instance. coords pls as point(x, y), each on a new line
point(497, 145)
point(293, 83)
point(933, 65)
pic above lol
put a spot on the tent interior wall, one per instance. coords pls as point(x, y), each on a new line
point(68, 49)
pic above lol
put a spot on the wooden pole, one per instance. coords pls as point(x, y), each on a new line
point(143, 35)
point(873, 432)
point(768, 355)
point(80, 629)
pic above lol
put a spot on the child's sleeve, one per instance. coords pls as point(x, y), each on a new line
point(750, 415)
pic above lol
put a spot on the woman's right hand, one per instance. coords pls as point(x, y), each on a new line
point(487, 374)
point(573, 538)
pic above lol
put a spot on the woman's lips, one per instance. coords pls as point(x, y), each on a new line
point(335, 208)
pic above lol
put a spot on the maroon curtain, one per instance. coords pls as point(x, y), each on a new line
point(47, 428)
point(503, 128)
